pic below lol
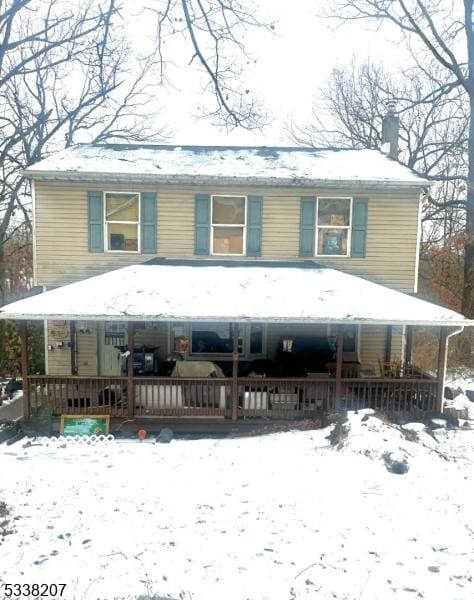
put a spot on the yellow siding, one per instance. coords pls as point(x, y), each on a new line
point(88, 347)
point(62, 247)
point(87, 356)
point(372, 345)
point(62, 252)
point(59, 359)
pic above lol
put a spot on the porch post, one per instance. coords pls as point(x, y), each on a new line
point(73, 334)
point(388, 345)
point(23, 327)
point(409, 344)
point(130, 382)
point(442, 360)
point(235, 370)
point(339, 351)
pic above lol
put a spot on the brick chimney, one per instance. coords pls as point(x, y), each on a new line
point(390, 126)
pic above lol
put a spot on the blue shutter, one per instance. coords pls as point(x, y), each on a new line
point(307, 225)
point(148, 222)
point(202, 225)
point(359, 227)
point(254, 226)
point(95, 205)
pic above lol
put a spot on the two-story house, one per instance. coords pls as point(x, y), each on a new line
point(286, 273)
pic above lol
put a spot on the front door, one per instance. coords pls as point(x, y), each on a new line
point(112, 339)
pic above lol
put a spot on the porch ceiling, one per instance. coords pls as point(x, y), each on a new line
point(263, 291)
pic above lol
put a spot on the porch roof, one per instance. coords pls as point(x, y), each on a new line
point(206, 290)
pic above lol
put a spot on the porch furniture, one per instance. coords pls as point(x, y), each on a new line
point(391, 369)
point(366, 371)
point(151, 396)
point(349, 369)
point(284, 396)
point(255, 400)
point(201, 395)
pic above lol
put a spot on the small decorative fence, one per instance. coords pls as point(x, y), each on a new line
point(256, 396)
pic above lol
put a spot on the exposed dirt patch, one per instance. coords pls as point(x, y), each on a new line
point(5, 527)
point(280, 427)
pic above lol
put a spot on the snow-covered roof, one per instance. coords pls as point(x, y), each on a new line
point(265, 291)
point(225, 165)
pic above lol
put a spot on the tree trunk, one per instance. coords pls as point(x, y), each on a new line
point(468, 294)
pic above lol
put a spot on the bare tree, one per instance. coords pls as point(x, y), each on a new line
point(213, 32)
point(68, 74)
point(443, 32)
point(66, 77)
point(432, 141)
point(433, 134)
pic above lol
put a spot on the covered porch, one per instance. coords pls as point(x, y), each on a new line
point(260, 293)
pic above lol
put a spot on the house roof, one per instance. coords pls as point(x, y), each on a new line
point(262, 165)
point(260, 291)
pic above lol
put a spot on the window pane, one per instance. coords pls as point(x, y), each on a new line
point(121, 207)
point(122, 236)
point(332, 241)
point(228, 240)
point(180, 341)
point(228, 210)
point(334, 211)
point(350, 338)
point(213, 338)
point(256, 339)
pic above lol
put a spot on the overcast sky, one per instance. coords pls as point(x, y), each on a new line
point(291, 66)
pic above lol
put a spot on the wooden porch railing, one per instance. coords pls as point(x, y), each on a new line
point(171, 396)
point(257, 396)
point(397, 395)
point(76, 395)
point(285, 397)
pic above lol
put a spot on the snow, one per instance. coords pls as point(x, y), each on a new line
point(14, 399)
point(277, 517)
point(461, 384)
point(233, 293)
point(194, 164)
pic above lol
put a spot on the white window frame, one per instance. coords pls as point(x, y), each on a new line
point(244, 355)
point(348, 227)
point(137, 223)
point(244, 226)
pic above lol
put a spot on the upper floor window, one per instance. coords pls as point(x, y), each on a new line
point(333, 226)
point(122, 221)
point(228, 224)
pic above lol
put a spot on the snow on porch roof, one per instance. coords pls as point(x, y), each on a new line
point(226, 165)
point(265, 291)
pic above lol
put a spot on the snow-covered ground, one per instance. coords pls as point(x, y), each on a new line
point(277, 517)
point(461, 385)
point(10, 409)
